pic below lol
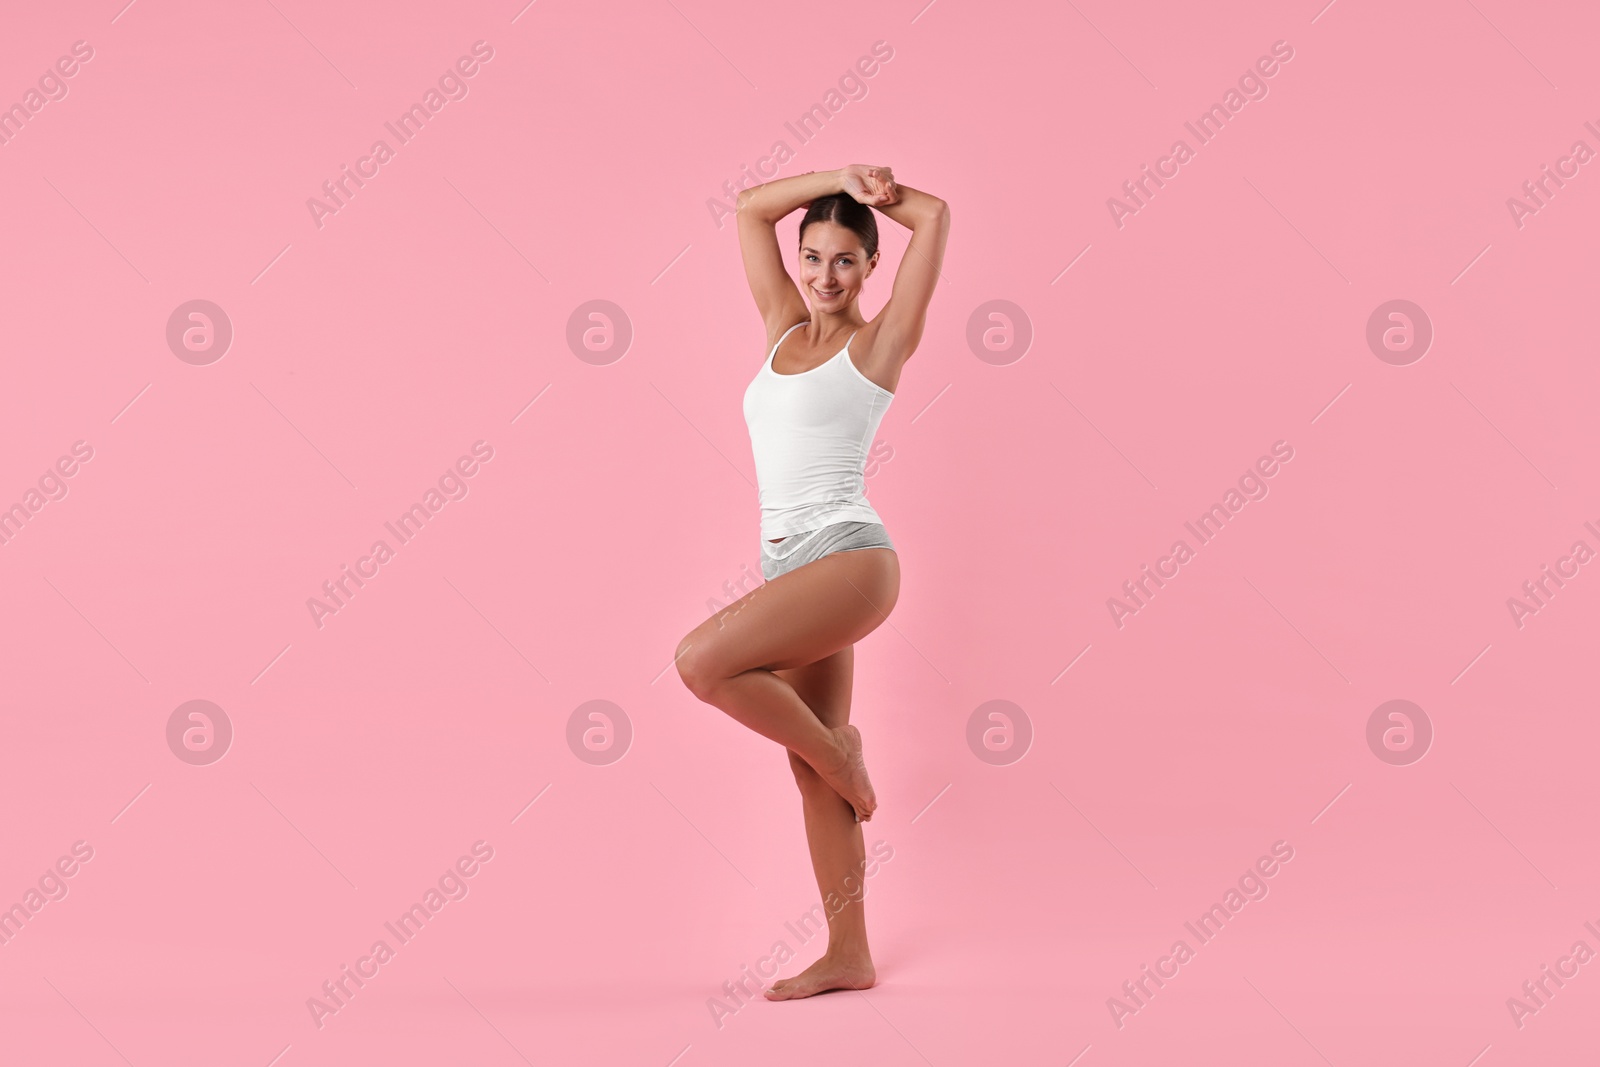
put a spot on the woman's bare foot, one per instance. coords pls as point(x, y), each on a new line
point(830, 972)
point(849, 775)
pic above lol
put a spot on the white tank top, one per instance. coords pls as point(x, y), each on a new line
point(811, 433)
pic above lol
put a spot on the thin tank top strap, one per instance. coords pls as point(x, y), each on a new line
point(786, 333)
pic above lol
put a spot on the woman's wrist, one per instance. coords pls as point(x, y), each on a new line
point(835, 180)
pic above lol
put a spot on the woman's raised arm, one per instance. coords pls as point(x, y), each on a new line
point(902, 319)
point(759, 208)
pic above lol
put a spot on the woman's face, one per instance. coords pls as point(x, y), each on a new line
point(832, 266)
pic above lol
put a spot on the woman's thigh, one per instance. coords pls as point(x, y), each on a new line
point(825, 685)
point(800, 617)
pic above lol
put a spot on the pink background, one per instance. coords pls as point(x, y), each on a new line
point(368, 354)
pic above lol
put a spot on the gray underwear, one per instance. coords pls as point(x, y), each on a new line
point(796, 550)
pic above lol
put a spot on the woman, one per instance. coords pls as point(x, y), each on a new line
point(779, 660)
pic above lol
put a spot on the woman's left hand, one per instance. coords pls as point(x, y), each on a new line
point(873, 186)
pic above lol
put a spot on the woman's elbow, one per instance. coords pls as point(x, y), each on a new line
point(743, 203)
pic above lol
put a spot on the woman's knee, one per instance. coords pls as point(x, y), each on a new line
point(698, 663)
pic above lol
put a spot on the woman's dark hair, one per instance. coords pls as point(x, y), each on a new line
point(847, 212)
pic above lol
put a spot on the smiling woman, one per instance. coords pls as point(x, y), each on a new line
point(782, 662)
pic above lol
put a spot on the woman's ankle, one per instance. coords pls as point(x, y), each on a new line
point(831, 760)
point(850, 951)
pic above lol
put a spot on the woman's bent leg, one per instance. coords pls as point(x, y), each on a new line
point(796, 619)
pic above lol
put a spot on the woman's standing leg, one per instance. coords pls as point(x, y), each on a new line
point(837, 850)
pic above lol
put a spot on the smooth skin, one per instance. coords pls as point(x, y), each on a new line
point(780, 659)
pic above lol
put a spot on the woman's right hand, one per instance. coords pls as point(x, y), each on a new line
point(873, 186)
